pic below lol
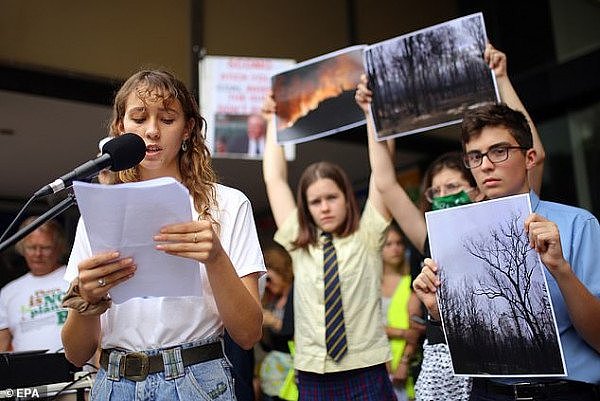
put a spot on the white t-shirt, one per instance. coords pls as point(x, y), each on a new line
point(140, 324)
point(30, 309)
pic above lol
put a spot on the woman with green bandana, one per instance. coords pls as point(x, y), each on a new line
point(447, 183)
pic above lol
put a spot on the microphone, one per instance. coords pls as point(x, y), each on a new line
point(120, 153)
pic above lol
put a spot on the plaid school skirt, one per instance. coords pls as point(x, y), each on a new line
point(364, 384)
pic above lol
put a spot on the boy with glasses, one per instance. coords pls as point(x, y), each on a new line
point(499, 151)
point(31, 315)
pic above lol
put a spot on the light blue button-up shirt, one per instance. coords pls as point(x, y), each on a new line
point(580, 240)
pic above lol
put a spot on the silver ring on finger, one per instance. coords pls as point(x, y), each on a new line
point(102, 282)
point(195, 240)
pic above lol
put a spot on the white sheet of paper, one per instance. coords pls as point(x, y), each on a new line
point(125, 217)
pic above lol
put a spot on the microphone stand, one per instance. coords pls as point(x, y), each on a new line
point(49, 215)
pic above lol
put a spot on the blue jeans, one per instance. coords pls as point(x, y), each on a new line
point(206, 381)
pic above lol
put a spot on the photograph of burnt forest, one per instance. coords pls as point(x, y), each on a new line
point(316, 98)
point(494, 301)
point(428, 78)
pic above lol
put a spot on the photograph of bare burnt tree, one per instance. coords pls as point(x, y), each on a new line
point(428, 78)
point(494, 301)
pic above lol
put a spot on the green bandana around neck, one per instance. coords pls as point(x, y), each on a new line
point(444, 202)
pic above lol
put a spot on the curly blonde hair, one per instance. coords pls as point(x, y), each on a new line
point(195, 164)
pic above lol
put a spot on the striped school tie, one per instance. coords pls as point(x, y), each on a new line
point(335, 329)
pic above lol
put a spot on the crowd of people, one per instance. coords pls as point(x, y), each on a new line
point(333, 304)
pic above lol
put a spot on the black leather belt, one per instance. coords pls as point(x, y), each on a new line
point(533, 391)
point(137, 366)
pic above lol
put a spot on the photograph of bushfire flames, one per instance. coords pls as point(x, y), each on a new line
point(316, 97)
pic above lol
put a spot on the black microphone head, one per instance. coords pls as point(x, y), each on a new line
point(126, 151)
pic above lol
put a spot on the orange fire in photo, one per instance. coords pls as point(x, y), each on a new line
point(300, 93)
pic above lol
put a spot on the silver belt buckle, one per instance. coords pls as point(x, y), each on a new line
point(516, 392)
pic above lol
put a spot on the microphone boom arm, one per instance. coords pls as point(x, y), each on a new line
point(49, 215)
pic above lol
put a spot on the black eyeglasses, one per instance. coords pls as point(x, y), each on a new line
point(495, 154)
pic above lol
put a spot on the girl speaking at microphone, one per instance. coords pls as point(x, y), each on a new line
point(168, 348)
